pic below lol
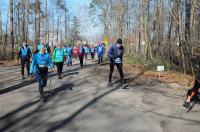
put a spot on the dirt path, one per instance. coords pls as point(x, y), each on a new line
point(82, 102)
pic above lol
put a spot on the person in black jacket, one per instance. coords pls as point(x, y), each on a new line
point(193, 91)
point(25, 55)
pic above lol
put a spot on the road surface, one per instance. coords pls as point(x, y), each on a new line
point(82, 102)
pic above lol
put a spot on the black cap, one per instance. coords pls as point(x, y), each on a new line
point(119, 41)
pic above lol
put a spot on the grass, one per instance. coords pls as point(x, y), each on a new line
point(149, 64)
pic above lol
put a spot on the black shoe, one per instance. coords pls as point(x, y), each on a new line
point(42, 98)
point(187, 105)
point(110, 84)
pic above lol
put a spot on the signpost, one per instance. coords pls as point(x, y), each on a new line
point(160, 69)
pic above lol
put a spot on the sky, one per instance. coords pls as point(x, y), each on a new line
point(78, 8)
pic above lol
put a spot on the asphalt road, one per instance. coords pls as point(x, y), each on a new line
point(82, 102)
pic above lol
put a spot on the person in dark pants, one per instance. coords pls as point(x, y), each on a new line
point(25, 55)
point(115, 55)
point(193, 91)
point(39, 67)
point(81, 54)
point(58, 58)
point(100, 52)
point(92, 52)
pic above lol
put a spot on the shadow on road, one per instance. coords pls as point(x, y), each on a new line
point(57, 125)
point(29, 82)
point(15, 87)
point(14, 117)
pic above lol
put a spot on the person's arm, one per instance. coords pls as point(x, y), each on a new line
point(19, 53)
point(110, 53)
point(54, 55)
point(121, 52)
point(33, 64)
point(29, 53)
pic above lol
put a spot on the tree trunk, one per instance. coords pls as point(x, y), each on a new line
point(37, 24)
point(27, 20)
point(11, 29)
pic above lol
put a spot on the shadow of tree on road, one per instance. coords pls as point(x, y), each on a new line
point(59, 124)
point(12, 118)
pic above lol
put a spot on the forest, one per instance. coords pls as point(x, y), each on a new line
point(151, 29)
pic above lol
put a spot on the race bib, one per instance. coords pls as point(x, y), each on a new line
point(118, 61)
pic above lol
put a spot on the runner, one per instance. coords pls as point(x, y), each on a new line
point(24, 56)
point(115, 55)
point(86, 49)
point(100, 52)
point(58, 58)
point(69, 52)
point(39, 67)
point(75, 52)
point(92, 52)
point(81, 54)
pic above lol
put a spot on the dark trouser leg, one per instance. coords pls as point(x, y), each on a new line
point(81, 61)
point(41, 84)
point(44, 80)
point(28, 66)
point(101, 59)
point(92, 56)
point(112, 65)
point(119, 67)
point(22, 66)
point(58, 65)
point(61, 67)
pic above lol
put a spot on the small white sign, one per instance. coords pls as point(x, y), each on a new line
point(160, 68)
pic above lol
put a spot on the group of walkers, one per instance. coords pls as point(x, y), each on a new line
point(37, 62)
point(42, 59)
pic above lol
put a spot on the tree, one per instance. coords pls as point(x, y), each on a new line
point(11, 29)
point(75, 34)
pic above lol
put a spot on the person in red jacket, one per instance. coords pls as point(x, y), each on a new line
point(75, 52)
point(81, 53)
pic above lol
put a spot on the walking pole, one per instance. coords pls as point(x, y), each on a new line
point(51, 77)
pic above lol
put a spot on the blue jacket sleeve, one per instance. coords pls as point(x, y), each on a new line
point(110, 54)
point(32, 67)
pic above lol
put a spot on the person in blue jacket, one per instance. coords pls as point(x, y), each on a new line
point(92, 51)
point(25, 54)
point(69, 52)
point(39, 66)
point(86, 51)
point(58, 57)
point(100, 52)
point(115, 55)
point(45, 44)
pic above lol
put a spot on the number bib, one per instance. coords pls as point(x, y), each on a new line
point(118, 61)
